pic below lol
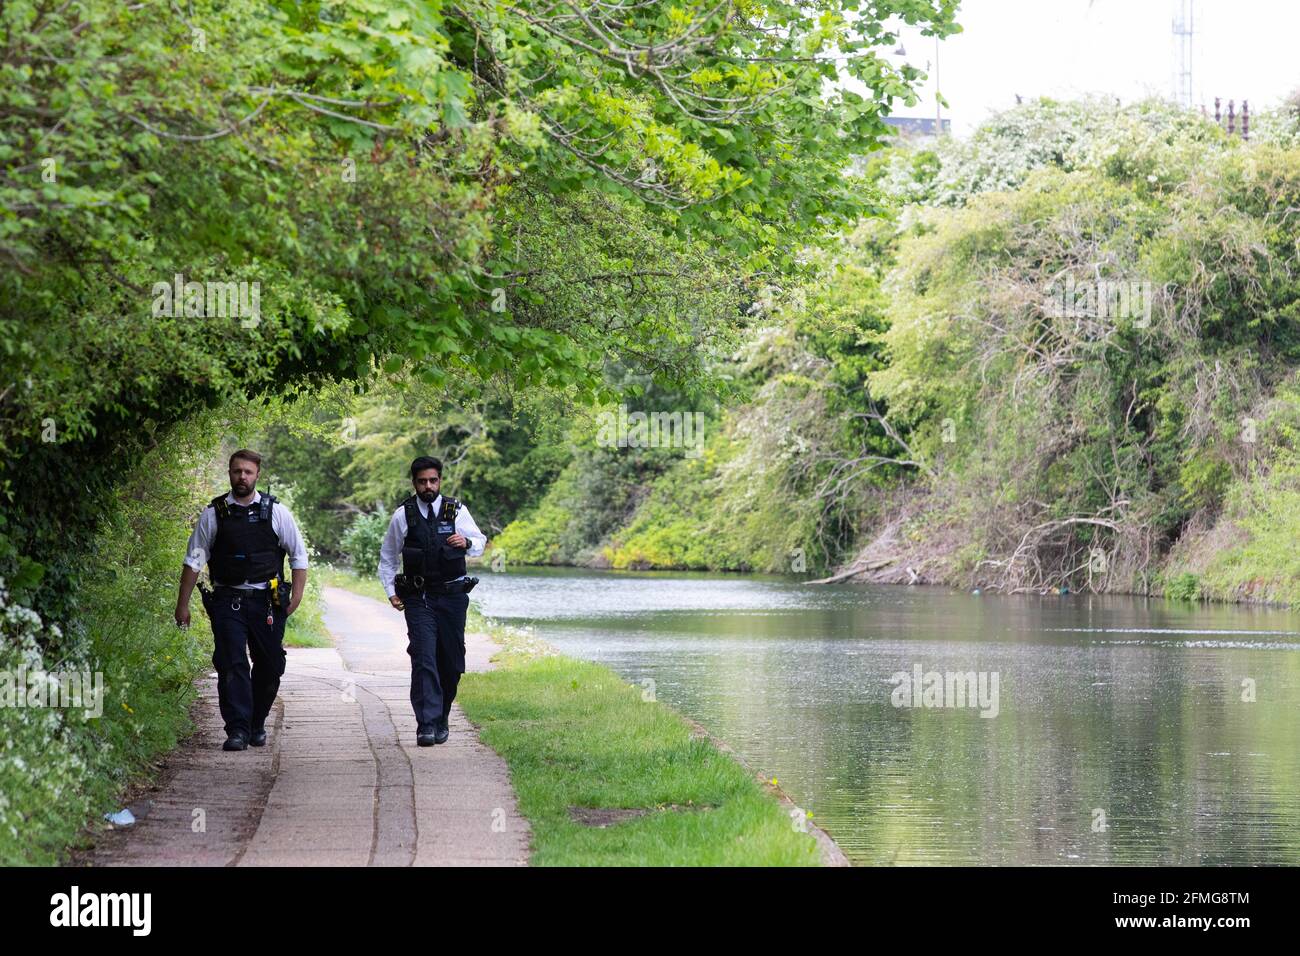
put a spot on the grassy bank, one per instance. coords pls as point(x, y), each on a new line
point(583, 743)
point(929, 407)
point(306, 627)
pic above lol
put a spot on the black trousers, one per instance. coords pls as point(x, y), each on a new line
point(435, 630)
point(239, 630)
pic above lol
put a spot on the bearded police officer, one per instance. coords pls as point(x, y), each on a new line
point(244, 536)
point(431, 535)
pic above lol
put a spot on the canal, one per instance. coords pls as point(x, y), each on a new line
point(931, 726)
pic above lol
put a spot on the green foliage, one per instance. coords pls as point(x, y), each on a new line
point(362, 540)
point(304, 445)
point(926, 353)
point(1184, 587)
point(379, 171)
point(58, 767)
point(1279, 126)
point(694, 519)
point(347, 452)
point(535, 538)
point(1150, 138)
point(1255, 556)
point(499, 451)
point(1082, 432)
point(467, 193)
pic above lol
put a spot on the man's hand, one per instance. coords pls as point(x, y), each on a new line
point(458, 541)
point(297, 590)
point(396, 602)
point(189, 577)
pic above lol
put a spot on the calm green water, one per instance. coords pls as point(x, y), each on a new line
point(1124, 706)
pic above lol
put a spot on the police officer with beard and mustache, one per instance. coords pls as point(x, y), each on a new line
point(431, 535)
point(244, 537)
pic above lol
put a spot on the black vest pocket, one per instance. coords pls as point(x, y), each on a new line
point(413, 559)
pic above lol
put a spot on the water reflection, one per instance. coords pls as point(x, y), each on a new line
point(1128, 730)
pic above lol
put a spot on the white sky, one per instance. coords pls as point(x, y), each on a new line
point(1068, 48)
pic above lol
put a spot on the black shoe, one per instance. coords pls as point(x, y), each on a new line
point(235, 742)
point(257, 739)
point(424, 739)
point(440, 731)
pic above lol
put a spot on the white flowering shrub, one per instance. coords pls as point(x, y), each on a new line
point(42, 760)
point(63, 767)
point(1280, 127)
point(1151, 138)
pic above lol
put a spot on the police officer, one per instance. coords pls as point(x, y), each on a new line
point(431, 535)
point(244, 536)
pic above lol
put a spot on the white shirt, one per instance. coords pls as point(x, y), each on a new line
point(282, 523)
point(390, 553)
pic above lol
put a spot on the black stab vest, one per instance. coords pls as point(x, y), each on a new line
point(246, 547)
point(425, 552)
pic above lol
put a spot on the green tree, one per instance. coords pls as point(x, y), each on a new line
point(365, 165)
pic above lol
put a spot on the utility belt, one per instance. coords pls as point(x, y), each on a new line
point(277, 594)
point(410, 584)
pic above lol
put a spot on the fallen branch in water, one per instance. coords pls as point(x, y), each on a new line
point(872, 565)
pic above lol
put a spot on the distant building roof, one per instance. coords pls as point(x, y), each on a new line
point(917, 125)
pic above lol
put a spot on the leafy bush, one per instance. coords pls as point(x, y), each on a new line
point(58, 767)
point(1184, 587)
point(1053, 436)
point(362, 541)
point(535, 538)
